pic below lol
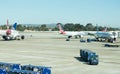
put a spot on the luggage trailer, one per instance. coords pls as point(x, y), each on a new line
point(89, 56)
point(11, 68)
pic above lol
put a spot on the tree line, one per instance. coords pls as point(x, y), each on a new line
point(66, 27)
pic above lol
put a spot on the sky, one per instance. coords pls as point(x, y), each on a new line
point(101, 12)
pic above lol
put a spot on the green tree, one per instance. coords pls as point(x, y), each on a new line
point(20, 27)
point(77, 27)
point(89, 27)
point(55, 29)
point(69, 27)
point(43, 28)
point(3, 27)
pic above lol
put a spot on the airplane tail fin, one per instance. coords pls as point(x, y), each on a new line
point(105, 30)
point(60, 28)
point(15, 26)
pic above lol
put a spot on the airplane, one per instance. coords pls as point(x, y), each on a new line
point(109, 36)
point(2, 32)
point(69, 33)
point(105, 35)
point(11, 33)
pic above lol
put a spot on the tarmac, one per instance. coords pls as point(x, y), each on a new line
point(50, 49)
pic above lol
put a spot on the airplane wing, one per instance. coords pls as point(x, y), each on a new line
point(2, 32)
point(92, 33)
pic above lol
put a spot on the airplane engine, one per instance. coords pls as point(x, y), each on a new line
point(3, 36)
point(80, 36)
point(6, 37)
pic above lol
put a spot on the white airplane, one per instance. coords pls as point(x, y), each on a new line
point(2, 32)
point(69, 33)
point(11, 34)
point(105, 35)
point(109, 36)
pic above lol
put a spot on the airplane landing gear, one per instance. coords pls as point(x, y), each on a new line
point(76, 37)
point(22, 37)
point(68, 39)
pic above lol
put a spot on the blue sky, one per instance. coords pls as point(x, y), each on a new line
point(101, 12)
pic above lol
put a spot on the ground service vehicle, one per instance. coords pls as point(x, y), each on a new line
point(11, 68)
point(111, 45)
point(89, 56)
